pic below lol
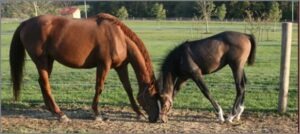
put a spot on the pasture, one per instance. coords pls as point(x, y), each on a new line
point(73, 89)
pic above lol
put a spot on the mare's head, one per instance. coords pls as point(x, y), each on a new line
point(148, 98)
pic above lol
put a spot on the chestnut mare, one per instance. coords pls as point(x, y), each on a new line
point(101, 41)
point(192, 60)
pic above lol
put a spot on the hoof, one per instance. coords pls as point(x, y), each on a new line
point(99, 118)
point(140, 117)
point(164, 118)
point(229, 119)
point(64, 118)
point(222, 120)
point(238, 118)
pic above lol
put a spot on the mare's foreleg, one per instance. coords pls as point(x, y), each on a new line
point(123, 75)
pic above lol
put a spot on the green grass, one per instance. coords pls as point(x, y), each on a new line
point(75, 87)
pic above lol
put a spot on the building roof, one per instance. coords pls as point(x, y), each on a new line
point(68, 10)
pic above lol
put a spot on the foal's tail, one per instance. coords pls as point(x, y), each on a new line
point(16, 60)
point(251, 58)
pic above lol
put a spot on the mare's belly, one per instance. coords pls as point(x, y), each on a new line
point(75, 56)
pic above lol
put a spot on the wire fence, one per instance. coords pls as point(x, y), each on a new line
point(64, 78)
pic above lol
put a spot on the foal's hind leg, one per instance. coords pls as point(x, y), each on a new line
point(123, 75)
point(240, 79)
point(198, 78)
point(44, 67)
point(241, 107)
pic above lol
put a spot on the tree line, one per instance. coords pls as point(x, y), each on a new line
point(237, 10)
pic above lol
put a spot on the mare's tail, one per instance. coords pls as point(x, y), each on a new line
point(16, 60)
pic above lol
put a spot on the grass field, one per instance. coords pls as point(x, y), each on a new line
point(73, 88)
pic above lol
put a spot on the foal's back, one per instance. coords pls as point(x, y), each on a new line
point(213, 53)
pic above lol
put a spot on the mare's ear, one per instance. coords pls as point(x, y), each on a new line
point(105, 16)
point(153, 91)
point(99, 18)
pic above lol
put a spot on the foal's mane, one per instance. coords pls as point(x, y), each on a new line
point(171, 57)
point(128, 32)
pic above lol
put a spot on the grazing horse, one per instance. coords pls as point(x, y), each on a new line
point(194, 59)
point(101, 41)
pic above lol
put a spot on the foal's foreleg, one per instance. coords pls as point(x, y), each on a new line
point(123, 75)
point(167, 97)
point(198, 79)
point(102, 72)
point(177, 86)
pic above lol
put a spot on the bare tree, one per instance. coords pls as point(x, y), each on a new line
point(274, 14)
point(206, 10)
point(30, 8)
point(256, 25)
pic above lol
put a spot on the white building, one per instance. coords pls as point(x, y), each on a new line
point(72, 12)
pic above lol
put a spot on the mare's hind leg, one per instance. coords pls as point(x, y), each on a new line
point(240, 80)
point(44, 67)
point(198, 79)
point(49, 70)
point(102, 71)
point(123, 75)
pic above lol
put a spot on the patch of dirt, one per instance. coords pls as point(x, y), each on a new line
point(123, 120)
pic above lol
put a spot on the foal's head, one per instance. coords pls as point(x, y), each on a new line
point(167, 79)
point(166, 89)
point(148, 99)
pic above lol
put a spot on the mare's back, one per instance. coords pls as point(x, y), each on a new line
point(50, 23)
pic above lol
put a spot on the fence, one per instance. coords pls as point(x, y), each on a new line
point(161, 37)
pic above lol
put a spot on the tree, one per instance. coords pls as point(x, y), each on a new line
point(183, 9)
point(158, 11)
point(274, 14)
point(138, 8)
point(256, 24)
point(205, 9)
point(122, 13)
point(221, 12)
point(103, 7)
point(236, 9)
point(26, 8)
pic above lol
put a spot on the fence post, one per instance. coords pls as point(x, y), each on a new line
point(286, 38)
